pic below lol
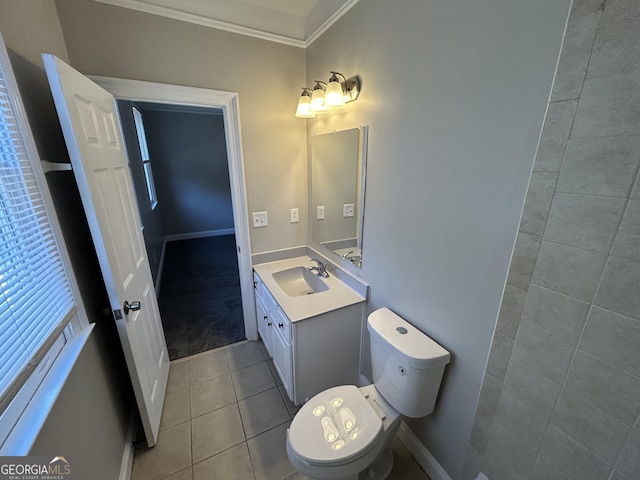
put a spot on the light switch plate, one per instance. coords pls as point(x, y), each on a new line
point(294, 215)
point(260, 219)
point(348, 210)
point(320, 212)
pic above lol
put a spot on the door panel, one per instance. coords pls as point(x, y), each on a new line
point(89, 122)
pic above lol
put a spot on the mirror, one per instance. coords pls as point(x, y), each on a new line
point(336, 207)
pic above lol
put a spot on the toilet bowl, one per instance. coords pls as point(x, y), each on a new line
point(345, 432)
point(341, 432)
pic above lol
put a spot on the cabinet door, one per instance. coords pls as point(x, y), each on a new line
point(283, 355)
point(264, 325)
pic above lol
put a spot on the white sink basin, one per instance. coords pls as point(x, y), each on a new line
point(298, 281)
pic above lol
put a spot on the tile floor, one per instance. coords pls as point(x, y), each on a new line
point(225, 417)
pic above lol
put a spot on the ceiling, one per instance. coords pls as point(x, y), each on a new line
point(292, 22)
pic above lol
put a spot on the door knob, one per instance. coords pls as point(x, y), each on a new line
point(133, 306)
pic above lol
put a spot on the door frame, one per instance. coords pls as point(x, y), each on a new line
point(141, 91)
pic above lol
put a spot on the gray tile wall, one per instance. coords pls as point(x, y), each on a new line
point(561, 393)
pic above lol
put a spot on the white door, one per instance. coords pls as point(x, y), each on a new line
point(89, 121)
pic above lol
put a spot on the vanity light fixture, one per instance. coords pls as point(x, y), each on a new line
point(325, 97)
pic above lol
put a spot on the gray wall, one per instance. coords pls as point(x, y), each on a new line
point(90, 418)
point(191, 172)
point(561, 395)
point(454, 94)
point(106, 40)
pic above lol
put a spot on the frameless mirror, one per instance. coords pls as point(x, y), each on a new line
point(338, 165)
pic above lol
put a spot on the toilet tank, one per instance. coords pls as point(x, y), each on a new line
point(407, 365)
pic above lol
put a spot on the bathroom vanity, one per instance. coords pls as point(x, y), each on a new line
point(313, 331)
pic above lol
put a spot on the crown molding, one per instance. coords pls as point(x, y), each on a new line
point(333, 19)
point(204, 21)
point(175, 14)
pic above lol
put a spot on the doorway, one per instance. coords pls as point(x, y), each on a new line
point(226, 102)
point(179, 165)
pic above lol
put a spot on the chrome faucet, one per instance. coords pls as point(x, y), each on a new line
point(346, 255)
point(320, 268)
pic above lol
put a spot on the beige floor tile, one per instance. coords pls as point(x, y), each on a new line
point(177, 408)
point(269, 455)
point(262, 412)
point(405, 466)
point(211, 394)
point(264, 349)
point(183, 475)
point(215, 432)
point(207, 366)
point(291, 407)
point(253, 379)
point(171, 454)
point(232, 464)
point(243, 355)
point(178, 376)
point(220, 423)
point(274, 372)
point(299, 476)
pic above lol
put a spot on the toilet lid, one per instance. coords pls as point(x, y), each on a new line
point(336, 426)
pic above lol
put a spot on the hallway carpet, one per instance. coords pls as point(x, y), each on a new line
point(200, 300)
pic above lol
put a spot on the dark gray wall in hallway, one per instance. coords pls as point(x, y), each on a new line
point(189, 158)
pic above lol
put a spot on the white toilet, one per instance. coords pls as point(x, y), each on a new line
point(345, 432)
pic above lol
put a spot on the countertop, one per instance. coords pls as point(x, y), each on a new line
point(338, 295)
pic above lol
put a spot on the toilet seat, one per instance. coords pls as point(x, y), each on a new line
point(335, 427)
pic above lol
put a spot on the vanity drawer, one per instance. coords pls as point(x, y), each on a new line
point(282, 324)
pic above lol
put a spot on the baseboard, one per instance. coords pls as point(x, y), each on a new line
point(428, 463)
point(129, 448)
point(203, 234)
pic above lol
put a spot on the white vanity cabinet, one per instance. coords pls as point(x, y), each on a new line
point(310, 354)
point(275, 330)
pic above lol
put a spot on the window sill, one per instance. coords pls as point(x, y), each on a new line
point(26, 430)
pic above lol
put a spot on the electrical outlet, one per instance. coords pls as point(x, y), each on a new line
point(320, 212)
point(294, 215)
point(260, 219)
point(348, 209)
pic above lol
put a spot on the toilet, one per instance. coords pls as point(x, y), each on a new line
point(345, 432)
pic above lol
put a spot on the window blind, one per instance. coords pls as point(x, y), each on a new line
point(36, 300)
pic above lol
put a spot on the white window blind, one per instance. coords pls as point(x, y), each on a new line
point(36, 301)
